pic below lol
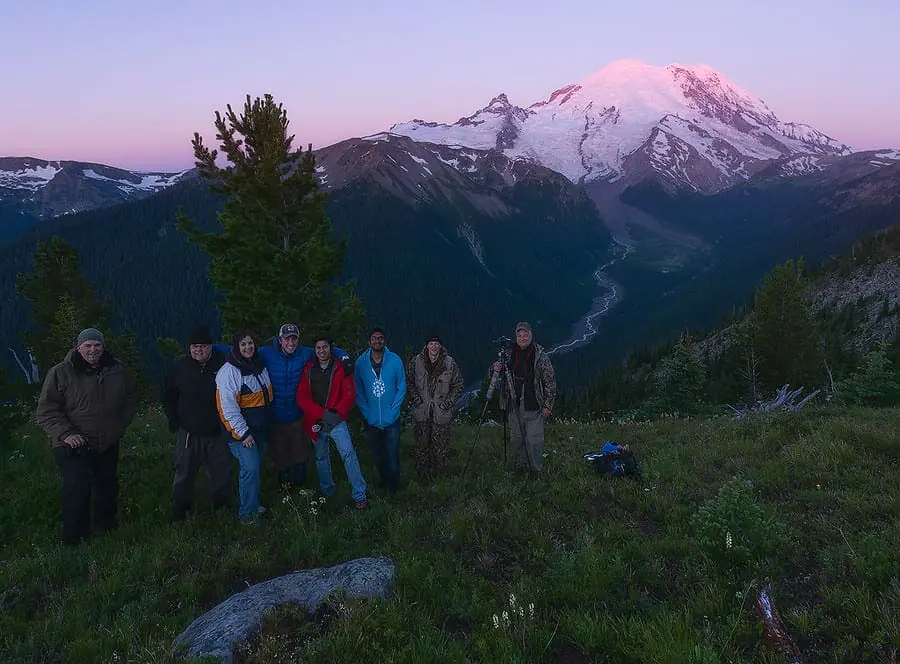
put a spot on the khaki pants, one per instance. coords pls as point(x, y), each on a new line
point(526, 434)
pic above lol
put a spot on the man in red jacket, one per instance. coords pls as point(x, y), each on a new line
point(325, 395)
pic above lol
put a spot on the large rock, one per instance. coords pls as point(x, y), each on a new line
point(241, 616)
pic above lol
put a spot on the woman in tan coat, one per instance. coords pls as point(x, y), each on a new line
point(435, 383)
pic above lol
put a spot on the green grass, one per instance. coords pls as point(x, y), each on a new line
point(616, 570)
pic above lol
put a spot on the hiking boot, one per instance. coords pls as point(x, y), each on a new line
point(361, 504)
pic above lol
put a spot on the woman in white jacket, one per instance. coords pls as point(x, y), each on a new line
point(244, 400)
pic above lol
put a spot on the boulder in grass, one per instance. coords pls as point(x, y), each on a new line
point(241, 616)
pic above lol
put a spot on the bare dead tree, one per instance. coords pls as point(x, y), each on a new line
point(784, 400)
point(750, 374)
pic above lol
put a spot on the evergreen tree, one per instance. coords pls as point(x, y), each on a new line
point(876, 381)
point(62, 304)
point(679, 378)
point(784, 334)
point(273, 260)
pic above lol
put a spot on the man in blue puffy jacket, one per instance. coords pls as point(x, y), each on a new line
point(380, 380)
point(289, 446)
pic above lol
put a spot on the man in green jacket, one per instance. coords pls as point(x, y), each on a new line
point(87, 401)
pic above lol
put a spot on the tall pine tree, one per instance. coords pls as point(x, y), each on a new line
point(784, 334)
point(63, 303)
point(274, 260)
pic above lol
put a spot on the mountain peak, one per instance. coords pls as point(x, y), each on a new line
point(500, 101)
point(671, 114)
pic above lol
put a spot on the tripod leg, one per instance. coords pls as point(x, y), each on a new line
point(475, 439)
point(505, 436)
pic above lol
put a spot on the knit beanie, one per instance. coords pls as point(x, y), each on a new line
point(200, 335)
point(90, 334)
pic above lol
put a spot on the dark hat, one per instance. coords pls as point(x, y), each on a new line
point(200, 335)
point(289, 330)
point(90, 334)
point(434, 336)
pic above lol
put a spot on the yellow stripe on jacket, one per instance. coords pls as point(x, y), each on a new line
point(232, 399)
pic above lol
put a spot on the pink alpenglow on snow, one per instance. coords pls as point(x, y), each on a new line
point(127, 84)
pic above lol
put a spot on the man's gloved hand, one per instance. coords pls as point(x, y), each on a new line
point(348, 365)
point(416, 401)
point(330, 419)
point(445, 405)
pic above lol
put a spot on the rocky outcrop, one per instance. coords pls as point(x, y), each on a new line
point(241, 616)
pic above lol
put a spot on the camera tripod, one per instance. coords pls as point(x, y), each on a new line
point(503, 345)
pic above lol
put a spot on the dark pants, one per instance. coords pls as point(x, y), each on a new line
point(386, 452)
point(88, 474)
point(289, 448)
point(526, 435)
point(192, 451)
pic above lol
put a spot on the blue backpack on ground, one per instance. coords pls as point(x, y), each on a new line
point(614, 460)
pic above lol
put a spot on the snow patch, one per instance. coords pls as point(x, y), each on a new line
point(31, 178)
point(474, 241)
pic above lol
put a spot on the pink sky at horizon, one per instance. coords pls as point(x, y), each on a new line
point(127, 86)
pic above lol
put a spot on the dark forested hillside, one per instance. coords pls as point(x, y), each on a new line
point(415, 267)
point(749, 229)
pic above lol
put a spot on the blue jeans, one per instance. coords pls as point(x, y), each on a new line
point(386, 451)
point(341, 437)
point(248, 477)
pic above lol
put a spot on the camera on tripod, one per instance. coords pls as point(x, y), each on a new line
point(503, 346)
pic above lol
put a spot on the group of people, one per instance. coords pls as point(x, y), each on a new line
point(280, 400)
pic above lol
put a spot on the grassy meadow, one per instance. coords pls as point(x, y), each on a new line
point(661, 570)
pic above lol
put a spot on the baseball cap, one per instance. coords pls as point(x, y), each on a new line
point(289, 330)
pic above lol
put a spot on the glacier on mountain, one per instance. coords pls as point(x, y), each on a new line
point(674, 115)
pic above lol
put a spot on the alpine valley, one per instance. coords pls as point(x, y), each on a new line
point(616, 211)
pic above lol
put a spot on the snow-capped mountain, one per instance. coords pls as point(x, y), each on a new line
point(689, 125)
point(418, 172)
point(42, 189)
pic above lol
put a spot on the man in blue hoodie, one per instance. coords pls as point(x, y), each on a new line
point(288, 444)
point(380, 380)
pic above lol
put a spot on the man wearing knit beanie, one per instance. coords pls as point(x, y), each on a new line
point(189, 401)
point(86, 425)
point(527, 397)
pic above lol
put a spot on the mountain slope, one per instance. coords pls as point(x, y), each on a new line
point(689, 125)
point(40, 189)
point(463, 242)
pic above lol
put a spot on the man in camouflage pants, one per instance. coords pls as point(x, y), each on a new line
point(528, 396)
point(434, 384)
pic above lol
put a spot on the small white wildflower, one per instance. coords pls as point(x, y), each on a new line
point(727, 540)
point(285, 500)
point(496, 622)
point(531, 610)
point(505, 616)
point(512, 600)
point(322, 500)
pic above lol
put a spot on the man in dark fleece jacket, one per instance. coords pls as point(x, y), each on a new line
point(189, 400)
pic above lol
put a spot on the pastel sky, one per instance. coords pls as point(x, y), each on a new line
point(127, 83)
